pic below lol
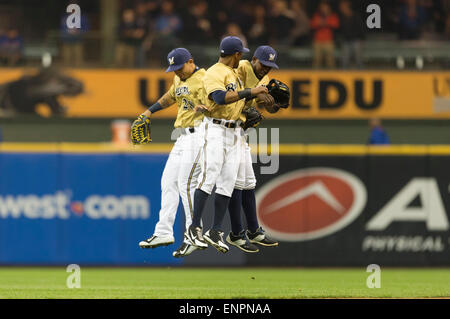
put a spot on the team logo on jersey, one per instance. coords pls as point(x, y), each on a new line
point(231, 87)
point(171, 60)
point(271, 57)
point(182, 90)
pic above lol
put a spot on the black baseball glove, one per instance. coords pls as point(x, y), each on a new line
point(280, 93)
point(140, 130)
point(252, 117)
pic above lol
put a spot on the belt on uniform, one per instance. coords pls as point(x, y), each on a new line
point(188, 129)
point(224, 123)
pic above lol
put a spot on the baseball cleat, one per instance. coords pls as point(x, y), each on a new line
point(184, 250)
point(259, 237)
point(241, 242)
point(195, 236)
point(215, 239)
point(157, 241)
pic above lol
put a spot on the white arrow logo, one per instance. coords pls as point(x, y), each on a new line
point(317, 188)
point(275, 224)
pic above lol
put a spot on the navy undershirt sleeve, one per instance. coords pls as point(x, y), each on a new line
point(219, 96)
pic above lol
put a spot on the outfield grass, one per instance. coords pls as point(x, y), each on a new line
point(176, 283)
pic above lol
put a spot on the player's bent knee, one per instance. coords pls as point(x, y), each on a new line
point(224, 192)
point(239, 185)
point(250, 186)
point(206, 188)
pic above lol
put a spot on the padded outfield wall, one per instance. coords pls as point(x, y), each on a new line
point(32, 129)
point(342, 205)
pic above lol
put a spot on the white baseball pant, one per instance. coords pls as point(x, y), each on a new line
point(220, 158)
point(180, 178)
point(246, 176)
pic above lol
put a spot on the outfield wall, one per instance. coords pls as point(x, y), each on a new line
point(31, 129)
point(342, 205)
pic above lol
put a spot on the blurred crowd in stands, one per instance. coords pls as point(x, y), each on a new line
point(164, 24)
point(11, 47)
point(148, 29)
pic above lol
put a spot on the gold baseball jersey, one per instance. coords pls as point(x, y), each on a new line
point(224, 78)
point(248, 77)
point(188, 94)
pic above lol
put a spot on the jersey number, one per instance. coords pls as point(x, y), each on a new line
point(187, 104)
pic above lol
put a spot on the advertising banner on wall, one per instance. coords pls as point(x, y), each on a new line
point(62, 208)
point(356, 210)
point(314, 94)
point(327, 206)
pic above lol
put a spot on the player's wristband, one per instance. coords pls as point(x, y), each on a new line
point(155, 107)
point(245, 93)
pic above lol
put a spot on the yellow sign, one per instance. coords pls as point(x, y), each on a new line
point(314, 94)
point(367, 94)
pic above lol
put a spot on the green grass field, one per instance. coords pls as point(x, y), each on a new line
point(218, 283)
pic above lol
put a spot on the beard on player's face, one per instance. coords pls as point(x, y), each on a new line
point(260, 69)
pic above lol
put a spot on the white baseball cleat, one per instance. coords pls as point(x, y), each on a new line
point(195, 237)
point(184, 250)
point(157, 241)
point(215, 239)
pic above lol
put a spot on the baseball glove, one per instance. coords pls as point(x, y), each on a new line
point(140, 130)
point(280, 93)
point(252, 117)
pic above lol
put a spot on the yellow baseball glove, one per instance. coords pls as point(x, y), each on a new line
point(140, 130)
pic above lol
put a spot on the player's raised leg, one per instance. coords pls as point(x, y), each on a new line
point(190, 169)
point(211, 162)
point(255, 233)
point(163, 234)
point(237, 237)
point(224, 188)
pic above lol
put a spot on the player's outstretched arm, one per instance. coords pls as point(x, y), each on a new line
point(231, 96)
point(227, 97)
point(165, 101)
point(141, 127)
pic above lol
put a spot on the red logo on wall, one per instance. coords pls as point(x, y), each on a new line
point(310, 203)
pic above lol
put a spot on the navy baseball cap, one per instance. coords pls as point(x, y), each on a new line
point(231, 44)
point(267, 56)
point(177, 58)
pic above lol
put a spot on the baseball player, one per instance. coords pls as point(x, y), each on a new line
point(253, 73)
point(222, 139)
point(182, 168)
